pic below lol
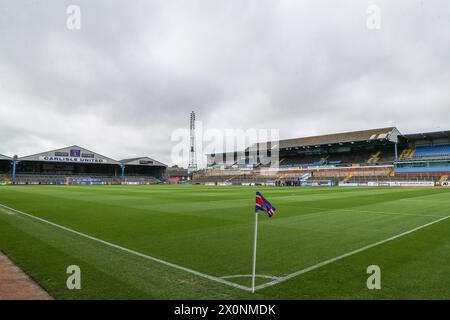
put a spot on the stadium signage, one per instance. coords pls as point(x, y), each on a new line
point(401, 184)
point(71, 159)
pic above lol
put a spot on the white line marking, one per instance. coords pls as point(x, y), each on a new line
point(249, 276)
point(326, 262)
point(330, 210)
point(175, 266)
point(222, 279)
point(422, 200)
point(9, 212)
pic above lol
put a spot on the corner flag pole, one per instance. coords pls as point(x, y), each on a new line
point(254, 251)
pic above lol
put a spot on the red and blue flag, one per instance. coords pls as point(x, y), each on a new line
point(263, 205)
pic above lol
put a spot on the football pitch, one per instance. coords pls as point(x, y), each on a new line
point(195, 242)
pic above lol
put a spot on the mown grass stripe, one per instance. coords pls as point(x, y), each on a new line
point(348, 254)
point(172, 265)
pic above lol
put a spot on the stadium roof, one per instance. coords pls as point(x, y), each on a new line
point(354, 136)
point(71, 154)
point(142, 161)
point(383, 134)
point(428, 135)
point(2, 157)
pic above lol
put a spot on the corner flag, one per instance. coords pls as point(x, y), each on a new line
point(261, 205)
point(264, 205)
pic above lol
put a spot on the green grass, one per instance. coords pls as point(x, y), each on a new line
point(210, 230)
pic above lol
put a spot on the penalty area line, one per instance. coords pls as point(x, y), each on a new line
point(136, 253)
point(329, 261)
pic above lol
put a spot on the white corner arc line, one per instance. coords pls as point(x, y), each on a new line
point(172, 265)
point(326, 262)
point(249, 276)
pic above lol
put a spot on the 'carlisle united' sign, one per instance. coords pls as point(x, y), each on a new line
point(74, 155)
point(71, 159)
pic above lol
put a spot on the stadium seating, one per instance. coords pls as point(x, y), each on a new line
point(431, 152)
point(407, 153)
point(40, 179)
point(231, 177)
point(59, 179)
point(445, 169)
point(318, 159)
point(300, 160)
point(374, 158)
point(430, 176)
point(363, 157)
point(295, 176)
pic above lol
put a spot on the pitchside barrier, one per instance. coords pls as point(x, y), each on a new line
point(352, 184)
point(390, 184)
point(401, 184)
point(343, 184)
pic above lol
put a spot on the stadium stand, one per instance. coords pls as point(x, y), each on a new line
point(76, 165)
point(345, 158)
point(350, 158)
point(143, 170)
point(431, 152)
point(176, 174)
point(5, 168)
point(425, 156)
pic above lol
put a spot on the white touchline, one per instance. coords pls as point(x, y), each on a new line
point(175, 266)
point(9, 212)
point(331, 211)
point(326, 262)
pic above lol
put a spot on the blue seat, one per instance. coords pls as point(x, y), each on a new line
point(435, 151)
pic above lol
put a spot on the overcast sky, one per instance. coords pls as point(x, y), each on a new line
point(130, 76)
